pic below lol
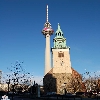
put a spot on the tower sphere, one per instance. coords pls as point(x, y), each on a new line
point(47, 27)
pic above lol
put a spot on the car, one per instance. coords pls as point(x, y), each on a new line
point(98, 94)
point(10, 92)
point(73, 94)
point(69, 94)
point(80, 93)
point(93, 93)
point(51, 93)
point(88, 94)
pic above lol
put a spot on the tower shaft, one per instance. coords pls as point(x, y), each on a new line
point(47, 55)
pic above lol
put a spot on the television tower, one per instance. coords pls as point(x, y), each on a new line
point(47, 31)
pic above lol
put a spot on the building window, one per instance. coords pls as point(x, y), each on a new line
point(59, 33)
point(60, 54)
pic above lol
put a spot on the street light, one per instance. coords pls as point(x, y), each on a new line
point(31, 83)
point(65, 88)
point(8, 84)
point(15, 82)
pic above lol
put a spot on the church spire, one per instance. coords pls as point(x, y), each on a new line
point(59, 40)
point(59, 32)
point(58, 26)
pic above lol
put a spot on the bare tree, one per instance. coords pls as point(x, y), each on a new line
point(76, 83)
point(91, 81)
point(18, 76)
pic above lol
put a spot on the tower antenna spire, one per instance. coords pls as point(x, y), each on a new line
point(47, 14)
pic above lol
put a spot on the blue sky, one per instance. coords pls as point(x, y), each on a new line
point(21, 22)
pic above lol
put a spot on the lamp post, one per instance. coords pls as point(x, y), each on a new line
point(38, 90)
point(8, 84)
point(31, 83)
point(15, 82)
point(65, 88)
